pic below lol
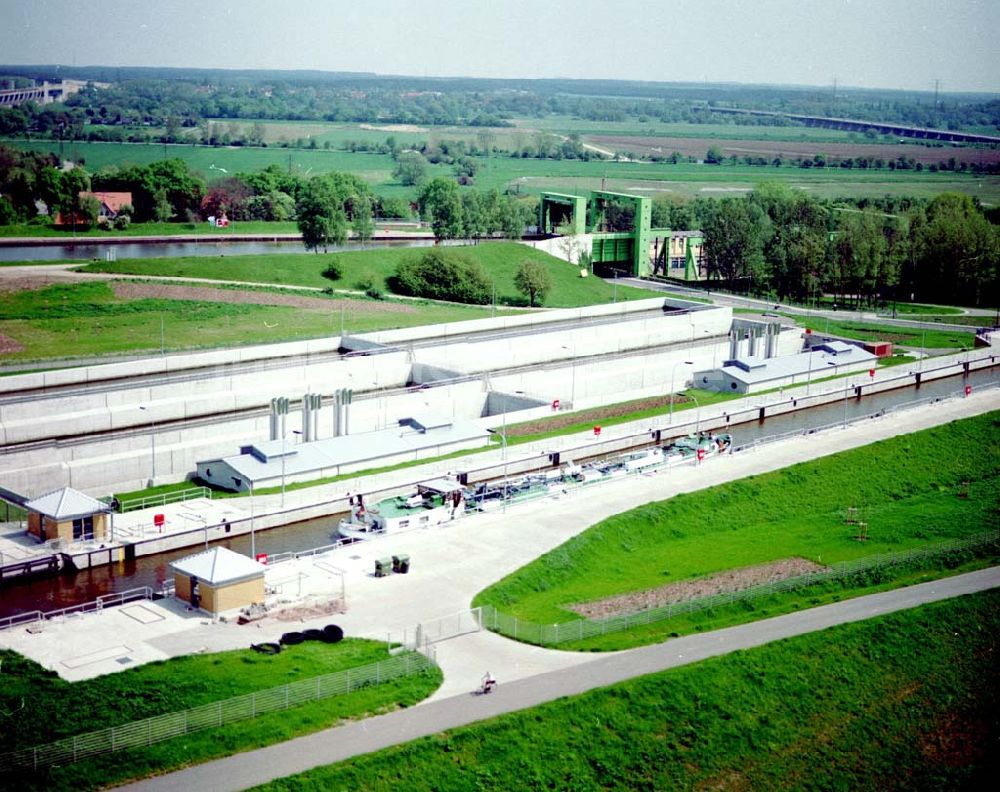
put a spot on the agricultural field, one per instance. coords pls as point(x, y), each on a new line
point(907, 701)
point(532, 176)
point(931, 486)
point(787, 150)
point(60, 709)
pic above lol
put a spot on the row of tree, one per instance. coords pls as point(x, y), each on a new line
point(779, 242)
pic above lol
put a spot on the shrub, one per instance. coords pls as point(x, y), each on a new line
point(121, 222)
point(367, 281)
point(442, 274)
point(333, 271)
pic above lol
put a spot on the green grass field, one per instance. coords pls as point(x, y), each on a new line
point(907, 487)
point(531, 176)
point(499, 259)
point(60, 709)
point(901, 702)
point(900, 336)
point(84, 319)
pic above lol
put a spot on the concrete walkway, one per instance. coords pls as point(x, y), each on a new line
point(372, 734)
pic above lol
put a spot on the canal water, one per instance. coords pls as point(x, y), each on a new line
point(89, 250)
point(87, 585)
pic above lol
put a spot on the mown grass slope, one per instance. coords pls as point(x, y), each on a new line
point(910, 489)
point(903, 702)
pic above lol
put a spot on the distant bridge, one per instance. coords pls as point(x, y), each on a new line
point(852, 125)
point(43, 94)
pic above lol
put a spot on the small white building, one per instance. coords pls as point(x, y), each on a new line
point(754, 374)
point(267, 463)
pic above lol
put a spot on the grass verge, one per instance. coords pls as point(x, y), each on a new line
point(904, 336)
point(59, 709)
point(907, 701)
point(937, 484)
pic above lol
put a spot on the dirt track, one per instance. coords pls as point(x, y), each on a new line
point(128, 290)
point(730, 580)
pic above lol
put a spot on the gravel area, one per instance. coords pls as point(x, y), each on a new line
point(8, 345)
point(128, 290)
point(730, 580)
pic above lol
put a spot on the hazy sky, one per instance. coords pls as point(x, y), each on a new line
point(870, 43)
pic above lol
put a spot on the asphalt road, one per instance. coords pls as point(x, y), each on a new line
point(360, 737)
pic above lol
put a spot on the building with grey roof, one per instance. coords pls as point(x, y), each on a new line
point(68, 515)
point(754, 374)
point(218, 580)
point(267, 463)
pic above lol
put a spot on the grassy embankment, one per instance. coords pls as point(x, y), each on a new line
point(914, 490)
point(83, 319)
point(901, 702)
point(55, 709)
point(500, 260)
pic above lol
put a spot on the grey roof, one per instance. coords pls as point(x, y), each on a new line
point(262, 460)
point(219, 565)
point(752, 370)
point(65, 504)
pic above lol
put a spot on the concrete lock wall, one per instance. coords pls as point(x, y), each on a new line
point(119, 409)
point(491, 354)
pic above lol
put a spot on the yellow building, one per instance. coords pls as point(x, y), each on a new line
point(218, 580)
point(68, 515)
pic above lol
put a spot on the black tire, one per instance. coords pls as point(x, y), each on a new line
point(268, 648)
point(313, 635)
point(292, 638)
point(332, 634)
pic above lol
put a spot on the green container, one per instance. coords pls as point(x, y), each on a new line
point(383, 567)
point(401, 564)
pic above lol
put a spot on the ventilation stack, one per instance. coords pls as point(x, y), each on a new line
point(279, 414)
point(342, 399)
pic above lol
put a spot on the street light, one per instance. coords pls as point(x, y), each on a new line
point(572, 386)
point(847, 382)
point(810, 371)
point(697, 413)
point(253, 538)
point(673, 371)
point(283, 436)
point(152, 438)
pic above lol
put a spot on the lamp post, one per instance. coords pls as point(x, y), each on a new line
point(283, 454)
point(809, 372)
point(152, 439)
point(697, 414)
point(572, 385)
point(673, 371)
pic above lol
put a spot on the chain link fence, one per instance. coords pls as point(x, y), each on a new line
point(146, 732)
point(577, 630)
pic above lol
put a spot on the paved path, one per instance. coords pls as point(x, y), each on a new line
point(359, 737)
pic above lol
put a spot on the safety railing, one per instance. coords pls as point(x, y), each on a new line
point(99, 604)
point(163, 499)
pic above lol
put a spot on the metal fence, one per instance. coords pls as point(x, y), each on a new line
point(146, 732)
point(167, 497)
point(97, 605)
point(553, 634)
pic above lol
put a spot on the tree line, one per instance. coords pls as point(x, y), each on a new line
point(788, 245)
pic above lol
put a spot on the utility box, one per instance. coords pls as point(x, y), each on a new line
point(383, 567)
point(401, 564)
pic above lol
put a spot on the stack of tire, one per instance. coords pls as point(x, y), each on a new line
point(330, 634)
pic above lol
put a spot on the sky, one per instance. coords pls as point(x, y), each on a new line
point(866, 43)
